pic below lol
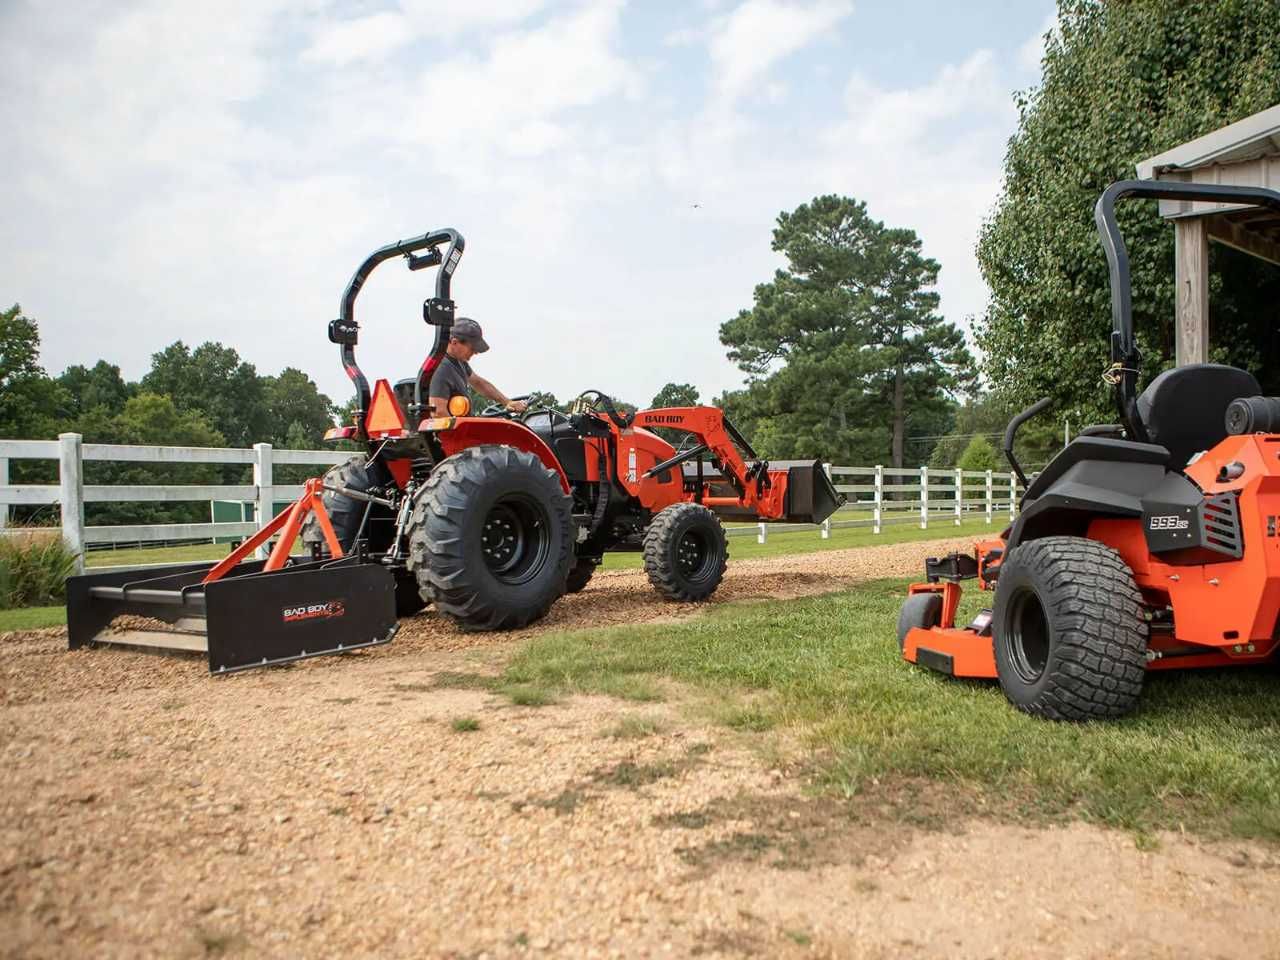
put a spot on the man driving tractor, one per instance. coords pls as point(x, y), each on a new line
point(454, 374)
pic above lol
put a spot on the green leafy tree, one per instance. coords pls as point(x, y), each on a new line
point(1121, 82)
point(979, 455)
point(845, 350)
point(29, 400)
point(676, 395)
point(98, 386)
point(148, 418)
point(213, 381)
point(296, 409)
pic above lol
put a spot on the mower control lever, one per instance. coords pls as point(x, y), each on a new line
point(1012, 431)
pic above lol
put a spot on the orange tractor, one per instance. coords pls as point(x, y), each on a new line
point(1150, 544)
point(491, 518)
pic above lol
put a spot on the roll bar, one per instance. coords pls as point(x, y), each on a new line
point(438, 311)
point(1125, 358)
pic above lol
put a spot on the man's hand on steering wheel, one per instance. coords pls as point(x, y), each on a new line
point(516, 406)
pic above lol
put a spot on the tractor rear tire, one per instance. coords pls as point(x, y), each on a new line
point(685, 552)
point(580, 574)
point(922, 610)
point(1069, 633)
point(491, 539)
point(345, 514)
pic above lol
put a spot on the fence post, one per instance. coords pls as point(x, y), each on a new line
point(959, 494)
point(826, 524)
point(762, 534)
point(991, 495)
point(924, 498)
point(71, 494)
point(879, 498)
point(266, 505)
point(4, 482)
point(1013, 495)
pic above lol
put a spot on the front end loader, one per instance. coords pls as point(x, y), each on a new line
point(1149, 544)
point(490, 518)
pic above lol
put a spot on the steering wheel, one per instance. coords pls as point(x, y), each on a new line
point(498, 410)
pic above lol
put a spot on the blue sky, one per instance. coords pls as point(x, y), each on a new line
point(216, 171)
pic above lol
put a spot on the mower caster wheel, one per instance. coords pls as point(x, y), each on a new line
point(685, 552)
point(923, 610)
point(1068, 628)
point(580, 575)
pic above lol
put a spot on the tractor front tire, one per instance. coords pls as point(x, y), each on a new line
point(1069, 633)
point(580, 574)
point(491, 539)
point(345, 514)
point(685, 552)
point(922, 610)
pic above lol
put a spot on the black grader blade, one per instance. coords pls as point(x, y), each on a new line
point(248, 618)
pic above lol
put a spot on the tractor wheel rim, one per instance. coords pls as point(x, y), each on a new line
point(1027, 636)
point(514, 539)
point(693, 555)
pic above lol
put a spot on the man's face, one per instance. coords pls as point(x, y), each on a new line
point(460, 349)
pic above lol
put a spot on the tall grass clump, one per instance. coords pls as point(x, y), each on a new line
point(33, 569)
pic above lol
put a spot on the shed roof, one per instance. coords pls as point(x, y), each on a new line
point(1247, 139)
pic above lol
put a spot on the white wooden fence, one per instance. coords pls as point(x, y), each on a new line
point(71, 493)
point(881, 496)
point(878, 496)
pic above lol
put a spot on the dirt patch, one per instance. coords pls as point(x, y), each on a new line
point(393, 804)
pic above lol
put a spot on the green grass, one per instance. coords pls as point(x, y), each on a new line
point(32, 618)
point(464, 724)
point(186, 553)
point(808, 541)
point(1201, 751)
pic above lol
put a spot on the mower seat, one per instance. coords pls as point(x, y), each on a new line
point(1184, 409)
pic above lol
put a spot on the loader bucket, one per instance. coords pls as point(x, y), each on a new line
point(811, 497)
point(249, 618)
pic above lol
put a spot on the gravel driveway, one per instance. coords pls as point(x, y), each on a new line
point(366, 806)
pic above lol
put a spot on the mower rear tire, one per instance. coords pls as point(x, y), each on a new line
point(580, 574)
point(685, 552)
point(923, 610)
point(1068, 628)
point(491, 538)
point(345, 514)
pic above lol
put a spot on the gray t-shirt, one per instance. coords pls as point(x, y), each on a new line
point(450, 379)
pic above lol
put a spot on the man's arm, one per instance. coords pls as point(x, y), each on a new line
point(439, 406)
point(487, 389)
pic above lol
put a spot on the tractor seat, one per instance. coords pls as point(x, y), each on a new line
point(1184, 409)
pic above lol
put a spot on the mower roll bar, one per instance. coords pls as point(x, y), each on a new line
point(1125, 358)
point(438, 311)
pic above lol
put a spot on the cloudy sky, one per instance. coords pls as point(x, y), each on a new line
point(216, 170)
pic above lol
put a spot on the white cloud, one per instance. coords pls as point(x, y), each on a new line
point(363, 38)
point(929, 157)
point(759, 33)
point(1032, 50)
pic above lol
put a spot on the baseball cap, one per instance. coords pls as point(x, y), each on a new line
point(464, 328)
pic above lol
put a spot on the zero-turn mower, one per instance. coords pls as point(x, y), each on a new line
point(1151, 544)
point(491, 518)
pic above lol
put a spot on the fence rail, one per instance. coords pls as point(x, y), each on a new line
point(879, 496)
